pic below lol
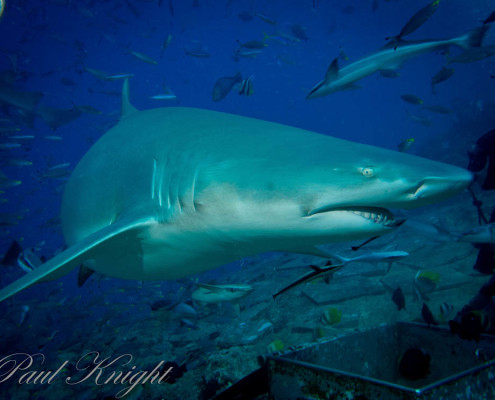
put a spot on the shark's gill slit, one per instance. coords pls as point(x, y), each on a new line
point(153, 179)
point(193, 188)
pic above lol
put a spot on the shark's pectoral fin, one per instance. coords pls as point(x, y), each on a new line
point(73, 256)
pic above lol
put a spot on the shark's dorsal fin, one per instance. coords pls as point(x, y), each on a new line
point(332, 71)
point(127, 108)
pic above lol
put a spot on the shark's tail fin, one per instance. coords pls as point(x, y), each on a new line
point(473, 38)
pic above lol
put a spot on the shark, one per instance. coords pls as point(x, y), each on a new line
point(206, 293)
point(171, 192)
point(389, 58)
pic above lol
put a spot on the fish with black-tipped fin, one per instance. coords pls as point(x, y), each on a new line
point(405, 145)
point(387, 58)
point(317, 272)
point(490, 18)
point(399, 299)
point(427, 316)
point(412, 99)
point(224, 85)
point(441, 76)
point(416, 21)
point(246, 87)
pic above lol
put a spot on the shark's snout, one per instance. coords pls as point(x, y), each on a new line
point(437, 188)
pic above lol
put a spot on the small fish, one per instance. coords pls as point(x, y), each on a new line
point(24, 314)
point(11, 255)
point(373, 257)
point(8, 146)
point(324, 272)
point(115, 77)
point(224, 85)
point(246, 87)
point(331, 316)
point(166, 95)
point(473, 54)
point(299, 32)
point(52, 137)
point(480, 234)
point(142, 57)
point(7, 183)
point(411, 99)
point(185, 309)
point(59, 171)
point(437, 109)
point(264, 18)
point(96, 73)
point(488, 20)
point(281, 38)
point(342, 55)
point(188, 323)
point(266, 327)
point(424, 283)
point(207, 293)
point(276, 346)
point(28, 261)
point(252, 44)
point(427, 316)
point(441, 76)
point(9, 129)
point(19, 163)
point(89, 110)
point(480, 355)
point(165, 44)
point(399, 299)
point(389, 73)
point(405, 145)
point(416, 21)
point(2, 7)
point(163, 304)
point(83, 275)
point(197, 53)
point(446, 310)
point(420, 119)
point(245, 54)
point(59, 166)
point(22, 137)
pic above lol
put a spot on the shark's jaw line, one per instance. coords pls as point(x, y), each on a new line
point(377, 215)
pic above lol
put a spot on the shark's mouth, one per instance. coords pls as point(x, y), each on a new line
point(377, 215)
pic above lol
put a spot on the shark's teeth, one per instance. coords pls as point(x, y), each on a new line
point(377, 215)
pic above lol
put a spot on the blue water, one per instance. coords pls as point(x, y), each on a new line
point(38, 41)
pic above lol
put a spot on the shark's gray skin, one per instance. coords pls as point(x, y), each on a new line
point(389, 58)
point(171, 192)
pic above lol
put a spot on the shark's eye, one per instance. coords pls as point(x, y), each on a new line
point(367, 172)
